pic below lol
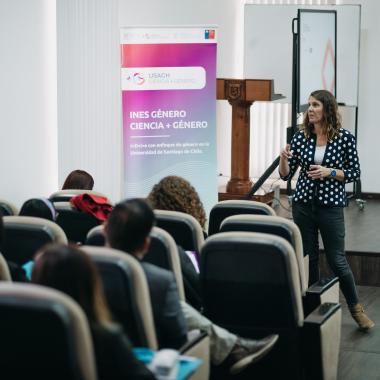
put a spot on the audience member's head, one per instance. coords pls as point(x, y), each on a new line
point(71, 271)
point(129, 225)
point(176, 194)
point(39, 208)
point(78, 180)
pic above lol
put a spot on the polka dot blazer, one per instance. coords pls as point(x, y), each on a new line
point(340, 154)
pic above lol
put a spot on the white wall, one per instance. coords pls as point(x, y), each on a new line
point(28, 126)
point(369, 81)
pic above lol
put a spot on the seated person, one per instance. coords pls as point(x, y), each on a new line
point(71, 271)
point(39, 208)
point(189, 274)
point(96, 206)
point(78, 180)
point(174, 193)
point(127, 229)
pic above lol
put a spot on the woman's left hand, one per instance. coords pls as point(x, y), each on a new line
point(318, 172)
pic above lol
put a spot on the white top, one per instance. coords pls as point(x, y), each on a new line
point(319, 154)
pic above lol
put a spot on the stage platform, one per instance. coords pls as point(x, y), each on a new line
point(362, 239)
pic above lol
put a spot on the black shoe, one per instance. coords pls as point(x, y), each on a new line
point(249, 351)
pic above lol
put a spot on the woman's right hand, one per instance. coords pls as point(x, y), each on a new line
point(286, 153)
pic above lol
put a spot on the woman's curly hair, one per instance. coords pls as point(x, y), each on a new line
point(176, 194)
point(331, 116)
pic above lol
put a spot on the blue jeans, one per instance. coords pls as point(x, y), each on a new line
point(330, 222)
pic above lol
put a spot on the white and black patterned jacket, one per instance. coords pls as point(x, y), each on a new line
point(340, 154)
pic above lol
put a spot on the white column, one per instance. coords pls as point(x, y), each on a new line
point(28, 99)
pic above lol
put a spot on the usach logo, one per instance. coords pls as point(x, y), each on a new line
point(210, 34)
point(137, 78)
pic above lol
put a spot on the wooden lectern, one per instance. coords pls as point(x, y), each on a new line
point(241, 93)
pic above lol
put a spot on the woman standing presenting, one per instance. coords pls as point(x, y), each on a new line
point(328, 158)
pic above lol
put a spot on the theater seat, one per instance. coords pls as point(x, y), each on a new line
point(325, 290)
point(184, 228)
point(126, 292)
point(224, 209)
point(66, 195)
point(75, 224)
point(163, 252)
point(44, 335)
point(128, 297)
point(7, 208)
point(251, 286)
point(96, 237)
point(25, 235)
point(4, 270)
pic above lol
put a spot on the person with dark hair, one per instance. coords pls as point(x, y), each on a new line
point(327, 155)
point(127, 229)
point(39, 208)
point(71, 271)
point(78, 180)
point(176, 194)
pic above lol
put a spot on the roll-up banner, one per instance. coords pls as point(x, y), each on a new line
point(168, 82)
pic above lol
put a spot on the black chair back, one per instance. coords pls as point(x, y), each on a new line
point(185, 229)
point(251, 287)
point(225, 209)
point(44, 335)
point(75, 224)
point(245, 271)
point(66, 195)
point(273, 225)
point(24, 236)
point(163, 252)
point(96, 237)
point(7, 208)
point(126, 292)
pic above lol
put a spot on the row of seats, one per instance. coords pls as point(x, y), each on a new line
point(25, 235)
point(74, 223)
point(77, 224)
point(238, 215)
point(251, 286)
point(232, 299)
point(8, 208)
point(44, 315)
point(255, 283)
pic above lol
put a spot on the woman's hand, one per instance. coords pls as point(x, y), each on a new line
point(286, 153)
point(318, 172)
